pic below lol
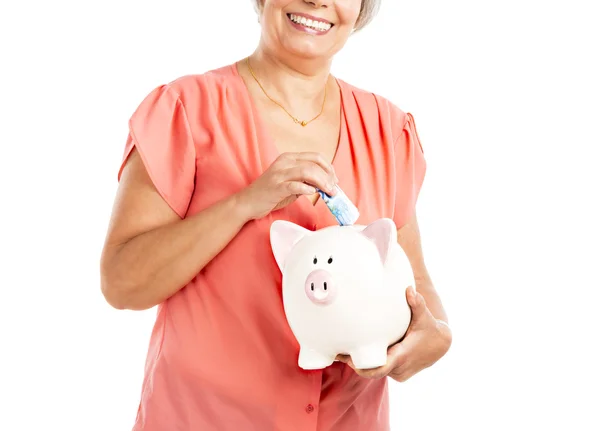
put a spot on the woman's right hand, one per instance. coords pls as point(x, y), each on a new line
point(289, 176)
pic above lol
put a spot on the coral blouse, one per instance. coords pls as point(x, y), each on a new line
point(222, 356)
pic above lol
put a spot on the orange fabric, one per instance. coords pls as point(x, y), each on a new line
point(221, 355)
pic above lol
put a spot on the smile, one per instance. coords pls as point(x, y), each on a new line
point(312, 25)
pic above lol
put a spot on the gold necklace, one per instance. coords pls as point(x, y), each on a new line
point(301, 122)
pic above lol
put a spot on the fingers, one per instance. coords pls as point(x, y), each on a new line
point(316, 158)
point(311, 174)
point(416, 301)
point(396, 362)
point(343, 358)
point(288, 177)
point(411, 296)
point(372, 373)
point(312, 168)
point(299, 188)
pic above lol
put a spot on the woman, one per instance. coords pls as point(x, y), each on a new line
point(211, 161)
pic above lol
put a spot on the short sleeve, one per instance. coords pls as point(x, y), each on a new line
point(160, 132)
point(410, 167)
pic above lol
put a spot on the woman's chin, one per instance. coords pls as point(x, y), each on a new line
point(307, 50)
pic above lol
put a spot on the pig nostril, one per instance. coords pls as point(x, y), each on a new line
point(320, 287)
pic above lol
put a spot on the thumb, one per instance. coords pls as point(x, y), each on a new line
point(416, 302)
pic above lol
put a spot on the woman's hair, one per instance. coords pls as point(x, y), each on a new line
point(368, 10)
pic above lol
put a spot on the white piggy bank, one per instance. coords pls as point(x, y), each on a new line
point(344, 290)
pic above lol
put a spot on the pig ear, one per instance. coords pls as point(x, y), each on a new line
point(284, 235)
point(383, 233)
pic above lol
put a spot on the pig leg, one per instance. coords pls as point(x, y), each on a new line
point(310, 359)
point(369, 356)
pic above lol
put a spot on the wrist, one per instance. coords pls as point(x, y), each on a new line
point(242, 207)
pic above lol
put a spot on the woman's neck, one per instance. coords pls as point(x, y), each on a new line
point(297, 84)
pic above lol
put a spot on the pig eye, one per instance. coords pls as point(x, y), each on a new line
point(330, 260)
point(315, 260)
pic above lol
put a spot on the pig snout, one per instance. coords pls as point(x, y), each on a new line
point(320, 287)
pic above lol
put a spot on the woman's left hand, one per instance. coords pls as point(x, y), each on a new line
point(425, 342)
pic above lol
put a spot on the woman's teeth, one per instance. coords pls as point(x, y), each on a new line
point(315, 25)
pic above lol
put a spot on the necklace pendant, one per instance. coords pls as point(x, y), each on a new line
point(303, 123)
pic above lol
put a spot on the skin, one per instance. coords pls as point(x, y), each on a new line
point(150, 253)
point(427, 338)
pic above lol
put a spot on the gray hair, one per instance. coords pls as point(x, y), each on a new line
point(368, 10)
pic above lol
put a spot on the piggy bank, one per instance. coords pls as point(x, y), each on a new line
point(344, 290)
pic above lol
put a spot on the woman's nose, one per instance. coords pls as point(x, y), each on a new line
point(318, 3)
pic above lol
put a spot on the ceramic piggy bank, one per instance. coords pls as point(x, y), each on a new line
point(344, 290)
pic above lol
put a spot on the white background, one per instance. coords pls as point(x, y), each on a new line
point(506, 100)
